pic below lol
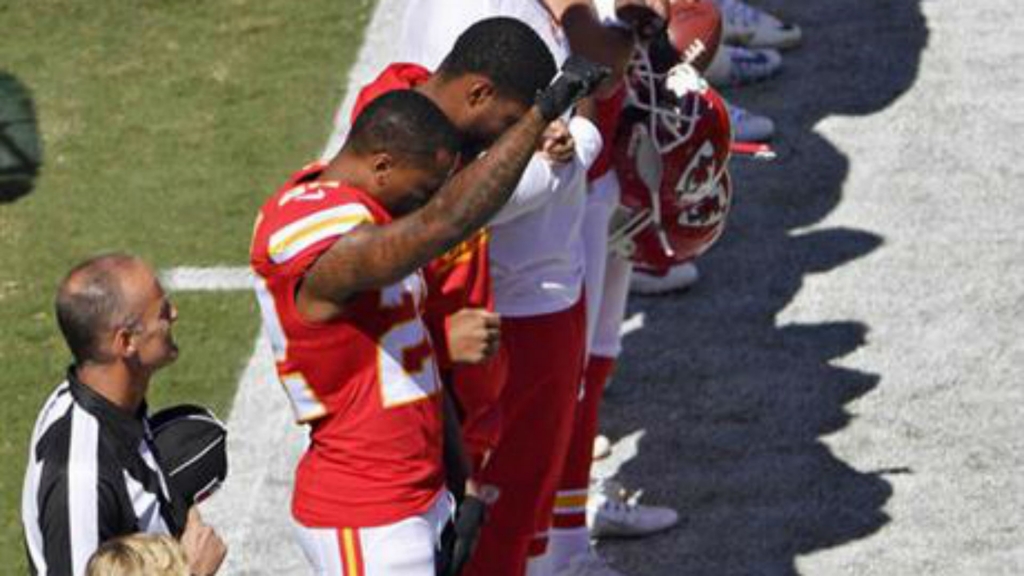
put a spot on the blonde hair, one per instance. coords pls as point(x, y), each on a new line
point(139, 555)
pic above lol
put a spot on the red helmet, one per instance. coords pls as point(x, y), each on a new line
point(670, 155)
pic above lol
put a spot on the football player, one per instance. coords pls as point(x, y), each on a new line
point(338, 252)
point(483, 81)
point(537, 262)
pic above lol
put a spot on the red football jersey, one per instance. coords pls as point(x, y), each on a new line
point(367, 383)
point(461, 278)
point(609, 113)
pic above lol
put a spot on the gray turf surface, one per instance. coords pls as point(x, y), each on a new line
point(837, 396)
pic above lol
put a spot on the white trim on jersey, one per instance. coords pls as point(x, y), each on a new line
point(83, 508)
point(271, 320)
point(291, 240)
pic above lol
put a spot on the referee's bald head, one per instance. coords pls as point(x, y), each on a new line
point(100, 296)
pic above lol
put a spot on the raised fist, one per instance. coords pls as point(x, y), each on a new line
point(578, 79)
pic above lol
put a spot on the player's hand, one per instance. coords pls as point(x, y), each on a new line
point(557, 144)
point(469, 519)
point(647, 18)
point(474, 335)
point(204, 549)
point(578, 79)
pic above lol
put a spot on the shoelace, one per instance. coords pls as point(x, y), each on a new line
point(619, 497)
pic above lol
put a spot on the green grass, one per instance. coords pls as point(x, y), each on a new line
point(165, 123)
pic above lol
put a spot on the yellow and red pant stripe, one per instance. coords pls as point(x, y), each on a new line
point(351, 552)
point(570, 508)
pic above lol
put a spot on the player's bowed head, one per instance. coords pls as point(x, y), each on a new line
point(490, 78)
point(385, 155)
point(401, 150)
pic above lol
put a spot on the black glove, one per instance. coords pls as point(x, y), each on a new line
point(468, 520)
point(578, 79)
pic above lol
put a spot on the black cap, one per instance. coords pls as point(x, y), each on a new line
point(191, 443)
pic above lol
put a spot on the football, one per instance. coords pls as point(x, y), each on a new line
point(695, 31)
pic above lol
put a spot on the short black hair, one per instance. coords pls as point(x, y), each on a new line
point(506, 51)
point(90, 301)
point(404, 123)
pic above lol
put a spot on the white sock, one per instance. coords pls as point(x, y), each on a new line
point(564, 544)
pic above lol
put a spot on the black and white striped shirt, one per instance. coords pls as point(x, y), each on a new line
point(92, 475)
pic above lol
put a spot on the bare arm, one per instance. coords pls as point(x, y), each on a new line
point(610, 45)
point(372, 257)
point(375, 256)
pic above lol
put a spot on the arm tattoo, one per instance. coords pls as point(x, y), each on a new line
point(376, 256)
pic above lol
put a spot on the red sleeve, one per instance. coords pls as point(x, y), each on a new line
point(298, 224)
point(609, 112)
point(459, 279)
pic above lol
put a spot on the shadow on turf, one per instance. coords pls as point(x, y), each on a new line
point(20, 149)
point(734, 441)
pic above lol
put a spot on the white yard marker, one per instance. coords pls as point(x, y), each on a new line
point(215, 278)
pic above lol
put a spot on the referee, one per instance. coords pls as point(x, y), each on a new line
point(92, 471)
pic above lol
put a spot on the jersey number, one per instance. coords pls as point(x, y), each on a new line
point(405, 359)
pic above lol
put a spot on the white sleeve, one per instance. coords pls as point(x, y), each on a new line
point(542, 180)
point(430, 28)
point(588, 140)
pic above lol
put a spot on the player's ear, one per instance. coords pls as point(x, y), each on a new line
point(481, 91)
point(381, 165)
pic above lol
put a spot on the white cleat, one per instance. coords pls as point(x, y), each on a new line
point(621, 516)
point(749, 26)
point(737, 66)
point(588, 564)
point(651, 282)
point(748, 126)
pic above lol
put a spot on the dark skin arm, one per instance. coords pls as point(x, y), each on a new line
point(371, 257)
point(610, 46)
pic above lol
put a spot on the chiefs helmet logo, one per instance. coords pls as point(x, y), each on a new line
point(699, 173)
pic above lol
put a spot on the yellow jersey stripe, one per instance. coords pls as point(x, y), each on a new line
point(339, 222)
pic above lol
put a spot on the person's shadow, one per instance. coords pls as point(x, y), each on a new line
point(20, 146)
point(734, 401)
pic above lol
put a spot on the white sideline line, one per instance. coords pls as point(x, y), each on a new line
point(215, 278)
